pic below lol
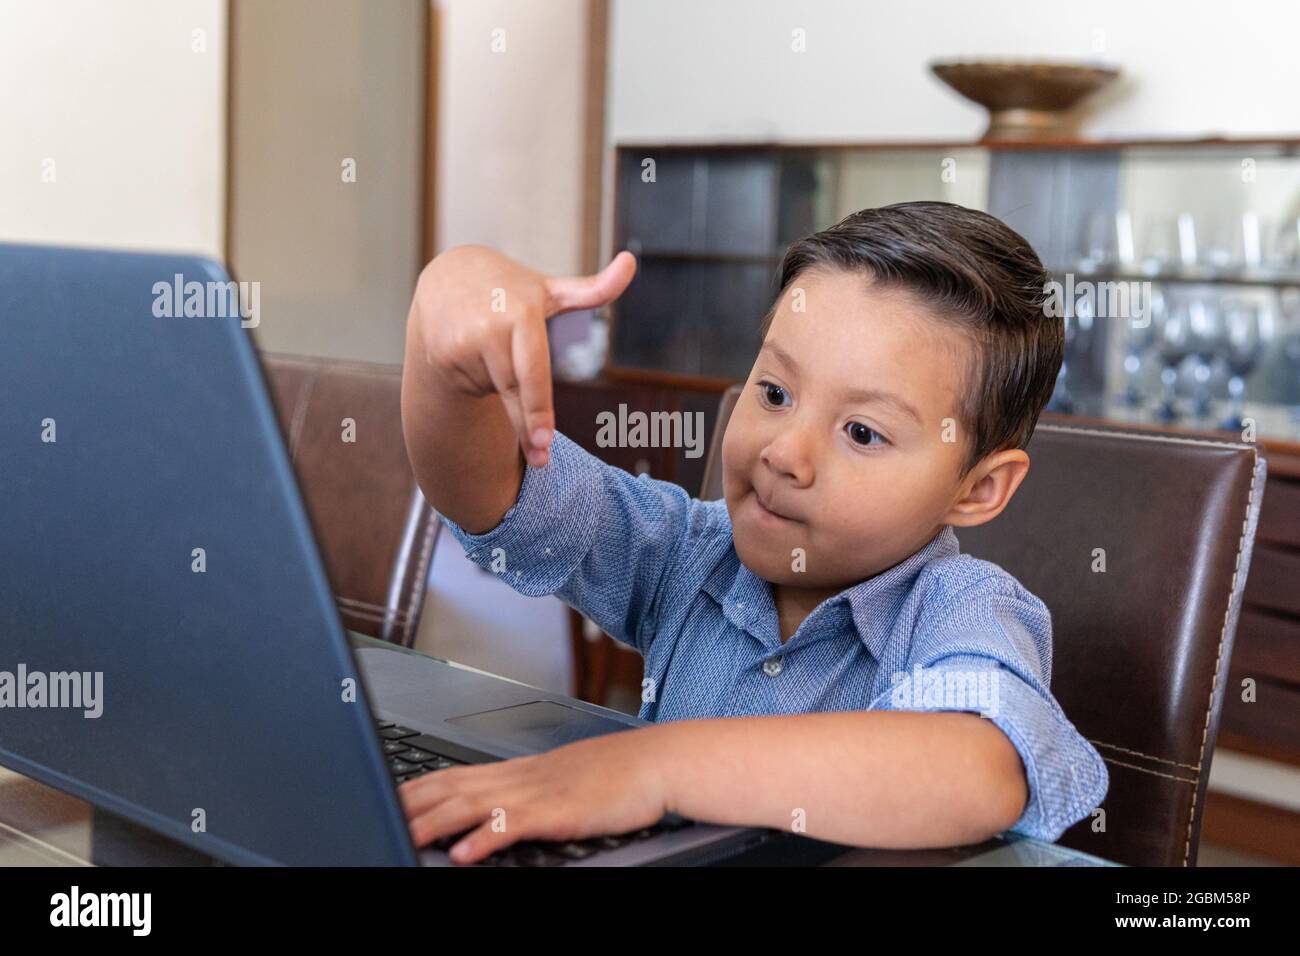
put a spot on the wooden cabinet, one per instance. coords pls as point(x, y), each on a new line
point(579, 406)
point(1267, 649)
point(710, 223)
point(600, 663)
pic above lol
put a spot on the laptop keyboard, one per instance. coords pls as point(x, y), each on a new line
point(411, 754)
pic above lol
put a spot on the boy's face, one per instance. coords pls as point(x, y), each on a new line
point(858, 482)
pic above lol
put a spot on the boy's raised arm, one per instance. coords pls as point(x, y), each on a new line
point(476, 382)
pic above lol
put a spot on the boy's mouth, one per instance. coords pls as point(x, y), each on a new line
point(767, 512)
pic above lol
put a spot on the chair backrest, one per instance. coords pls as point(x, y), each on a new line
point(711, 486)
point(1139, 543)
point(375, 531)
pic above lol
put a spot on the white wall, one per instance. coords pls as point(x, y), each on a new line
point(724, 69)
point(511, 129)
point(315, 84)
point(130, 114)
point(510, 167)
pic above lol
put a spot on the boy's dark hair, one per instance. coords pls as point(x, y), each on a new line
point(975, 272)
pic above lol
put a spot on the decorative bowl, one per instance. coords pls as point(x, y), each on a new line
point(1025, 99)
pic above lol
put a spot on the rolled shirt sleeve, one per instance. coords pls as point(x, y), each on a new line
point(593, 535)
point(988, 651)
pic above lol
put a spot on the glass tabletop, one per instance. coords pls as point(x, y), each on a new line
point(43, 826)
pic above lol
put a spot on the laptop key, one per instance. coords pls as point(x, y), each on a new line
point(445, 748)
point(673, 822)
point(447, 842)
point(536, 855)
point(575, 851)
point(412, 755)
point(397, 733)
point(401, 767)
point(394, 747)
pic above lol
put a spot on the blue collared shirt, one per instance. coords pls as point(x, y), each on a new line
point(658, 570)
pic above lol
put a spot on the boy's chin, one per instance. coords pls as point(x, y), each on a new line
point(775, 567)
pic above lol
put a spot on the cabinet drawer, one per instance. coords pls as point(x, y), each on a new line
point(1271, 721)
point(577, 407)
point(1268, 645)
point(1279, 515)
point(1274, 580)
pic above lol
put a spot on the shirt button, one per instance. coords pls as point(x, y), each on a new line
point(772, 667)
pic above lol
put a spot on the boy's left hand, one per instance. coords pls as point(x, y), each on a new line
point(595, 787)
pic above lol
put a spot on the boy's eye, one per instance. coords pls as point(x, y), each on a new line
point(861, 434)
point(772, 394)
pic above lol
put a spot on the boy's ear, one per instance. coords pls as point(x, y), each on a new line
point(988, 488)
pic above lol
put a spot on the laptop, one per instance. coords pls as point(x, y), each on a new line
point(170, 650)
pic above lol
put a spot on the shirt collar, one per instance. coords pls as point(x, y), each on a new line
point(874, 604)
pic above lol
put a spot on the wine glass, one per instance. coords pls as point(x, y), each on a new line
point(1138, 340)
point(1108, 243)
point(1252, 244)
point(1173, 344)
point(1289, 303)
point(1284, 258)
point(1205, 328)
point(1189, 254)
point(1096, 245)
point(1160, 249)
point(1078, 332)
point(1245, 329)
point(1236, 246)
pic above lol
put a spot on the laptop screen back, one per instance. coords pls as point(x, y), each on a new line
point(169, 646)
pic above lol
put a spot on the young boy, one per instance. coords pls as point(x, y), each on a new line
point(819, 655)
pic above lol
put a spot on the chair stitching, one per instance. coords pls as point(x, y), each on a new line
point(361, 603)
point(1116, 433)
point(379, 608)
point(1223, 634)
point(364, 615)
point(1241, 543)
point(1138, 753)
point(300, 411)
point(430, 533)
point(1154, 773)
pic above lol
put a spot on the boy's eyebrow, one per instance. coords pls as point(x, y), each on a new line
point(852, 394)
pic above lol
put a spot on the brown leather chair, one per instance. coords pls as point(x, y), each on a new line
point(1141, 651)
point(375, 531)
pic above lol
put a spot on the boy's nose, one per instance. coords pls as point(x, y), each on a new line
point(789, 456)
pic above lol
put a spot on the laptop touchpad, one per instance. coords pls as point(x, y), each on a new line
point(539, 725)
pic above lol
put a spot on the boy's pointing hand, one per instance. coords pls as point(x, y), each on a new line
point(481, 317)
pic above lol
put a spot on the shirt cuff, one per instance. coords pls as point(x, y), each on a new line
point(1066, 777)
point(542, 539)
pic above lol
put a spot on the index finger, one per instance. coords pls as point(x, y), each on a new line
point(531, 354)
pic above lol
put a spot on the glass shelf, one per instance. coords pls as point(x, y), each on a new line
point(1182, 278)
point(1214, 226)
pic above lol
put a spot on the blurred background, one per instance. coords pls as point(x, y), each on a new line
point(328, 148)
